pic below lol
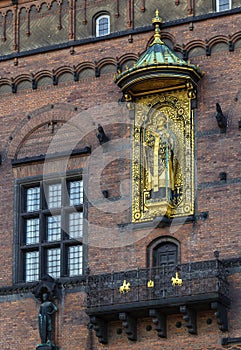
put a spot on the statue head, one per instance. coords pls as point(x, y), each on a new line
point(162, 122)
point(45, 296)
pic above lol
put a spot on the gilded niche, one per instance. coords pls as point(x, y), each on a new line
point(163, 156)
point(158, 90)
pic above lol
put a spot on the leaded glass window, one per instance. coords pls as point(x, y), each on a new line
point(32, 231)
point(54, 196)
point(50, 228)
point(75, 224)
point(223, 5)
point(33, 199)
point(54, 228)
point(53, 262)
point(31, 266)
point(76, 192)
point(75, 260)
point(103, 25)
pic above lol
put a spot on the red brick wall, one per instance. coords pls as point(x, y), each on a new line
point(215, 153)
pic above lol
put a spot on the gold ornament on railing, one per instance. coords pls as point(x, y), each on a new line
point(150, 284)
point(125, 288)
point(176, 281)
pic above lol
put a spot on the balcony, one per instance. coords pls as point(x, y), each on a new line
point(157, 292)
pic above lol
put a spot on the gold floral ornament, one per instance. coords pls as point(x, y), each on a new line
point(125, 288)
point(150, 284)
point(176, 281)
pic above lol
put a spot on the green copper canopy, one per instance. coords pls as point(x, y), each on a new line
point(159, 54)
point(157, 68)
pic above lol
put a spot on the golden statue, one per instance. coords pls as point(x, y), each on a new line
point(163, 157)
point(160, 162)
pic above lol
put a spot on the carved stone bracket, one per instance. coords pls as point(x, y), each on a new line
point(130, 325)
point(101, 329)
point(159, 321)
point(47, 285)
point(222, 119)
point(208, 50)
point(190, 317)
point(221, 314)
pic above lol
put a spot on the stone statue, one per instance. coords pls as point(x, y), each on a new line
point(46, 319)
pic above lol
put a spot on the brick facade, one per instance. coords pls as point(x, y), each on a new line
point(77, 107)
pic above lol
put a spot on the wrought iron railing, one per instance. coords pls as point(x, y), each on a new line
point(198, 278)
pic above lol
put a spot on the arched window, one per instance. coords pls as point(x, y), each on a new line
point(223, 5)
point(102, 25)
point(163, 252)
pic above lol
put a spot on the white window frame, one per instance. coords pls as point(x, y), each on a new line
point(97, 28)
point(218, 6)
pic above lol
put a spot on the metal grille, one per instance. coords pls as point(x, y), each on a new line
point(54, 228)
point(32, 231)
point(200, 278)
point(75, 260)
point(31, 266)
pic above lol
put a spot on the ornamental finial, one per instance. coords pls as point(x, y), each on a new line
point(157, 21)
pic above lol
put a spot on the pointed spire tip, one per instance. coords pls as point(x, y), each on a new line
point(157, 21)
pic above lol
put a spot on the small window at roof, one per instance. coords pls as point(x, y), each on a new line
point(102, 25)
point(223, 5)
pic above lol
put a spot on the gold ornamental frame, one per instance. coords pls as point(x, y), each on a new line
point(175, 108)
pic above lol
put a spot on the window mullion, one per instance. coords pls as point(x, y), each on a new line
point(62, 245)
point(41, 231)
point(21, 236)
point(42, 195)
point(64, 192)
point(63, 201)
point(42, 238)
point(41, 262)
point(63, 259)
point(65, 231)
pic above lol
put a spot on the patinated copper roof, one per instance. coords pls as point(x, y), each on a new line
point(158, 64)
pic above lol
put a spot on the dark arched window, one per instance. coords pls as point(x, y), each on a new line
point(163, 252)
